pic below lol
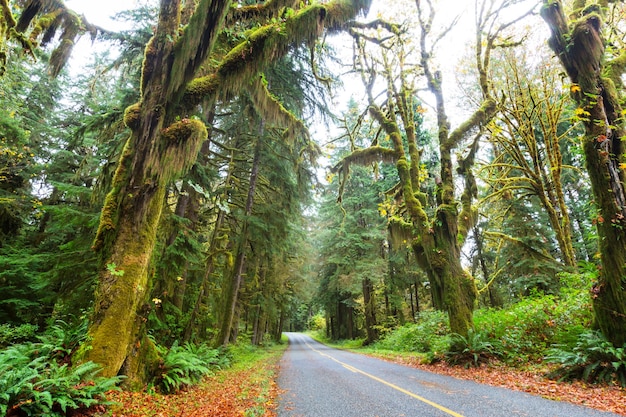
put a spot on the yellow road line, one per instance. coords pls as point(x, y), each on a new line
point(389, 384)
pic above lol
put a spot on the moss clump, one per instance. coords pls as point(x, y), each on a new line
point(149, 61)
point(181, 143)
point(131, 116)
point(199, 88)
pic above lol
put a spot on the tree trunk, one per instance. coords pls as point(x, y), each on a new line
point(235, 280)
point(580, 48)
point(159, 150)
point(370, 311)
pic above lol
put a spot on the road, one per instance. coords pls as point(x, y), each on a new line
point(318, 381)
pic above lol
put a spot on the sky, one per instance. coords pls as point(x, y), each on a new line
point(99, 12)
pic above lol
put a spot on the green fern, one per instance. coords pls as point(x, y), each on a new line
point(33, 380)
point(186, 365)
point(471, 350)
point(592, 359)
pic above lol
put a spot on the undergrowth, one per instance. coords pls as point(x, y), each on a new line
point(38, 379)
point(592, 359)
point(536, 330)
point(186, 365)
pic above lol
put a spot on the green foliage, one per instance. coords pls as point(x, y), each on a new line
point(529, 327)
point(37, 380)
point(428, 335)
point(16, 334)
point(317, 322)
point(592, 359)
point(186, 365)
point(471, 350)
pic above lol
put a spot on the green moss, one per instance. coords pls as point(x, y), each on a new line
point(131, 116)
point(199, 88)
point(149, 61)
point(181, 143)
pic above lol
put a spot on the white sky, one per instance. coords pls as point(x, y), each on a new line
point(100, 12)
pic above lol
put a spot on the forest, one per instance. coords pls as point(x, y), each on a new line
point(406, 179)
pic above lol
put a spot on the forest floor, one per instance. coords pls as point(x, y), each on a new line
point(245, 389)
point(250, 390)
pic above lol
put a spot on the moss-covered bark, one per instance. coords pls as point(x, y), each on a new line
point(580, 47)
point(163, 145)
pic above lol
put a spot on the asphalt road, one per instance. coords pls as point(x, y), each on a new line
point(318, 381)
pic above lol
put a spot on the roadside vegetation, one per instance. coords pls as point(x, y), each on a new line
point(543, 344)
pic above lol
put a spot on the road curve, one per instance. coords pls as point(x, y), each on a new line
point(317, 381)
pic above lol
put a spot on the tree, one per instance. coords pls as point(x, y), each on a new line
point(596, 70)
point(164, 144)
point(529, 134)
point(435, 237)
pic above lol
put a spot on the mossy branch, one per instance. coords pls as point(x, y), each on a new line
point(46, 18)
point(366, 156)
point(480, 117)
point(196, 42)
point(521, 243)
point(258, 12)
point(268, 43)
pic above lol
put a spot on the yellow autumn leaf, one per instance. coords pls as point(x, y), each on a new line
point(581, 112)
point(622, 165)
point(575, 88)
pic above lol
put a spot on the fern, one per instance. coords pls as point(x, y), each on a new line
point(471, 350)
point(34, 381)
point(592, 359)
point(186, 365)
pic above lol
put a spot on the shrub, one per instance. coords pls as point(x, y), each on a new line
point(471, 350)
point(592, 359)
point(17, 334)
point(429, 334)
point(187, 365)
point(32, 381)
point(526, 329)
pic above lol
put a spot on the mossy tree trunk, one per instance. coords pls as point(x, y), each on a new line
point(596, 87)
point(159, 149)
point(164, 144)
point(369, 302)
point(435, 239)
point(234, 283)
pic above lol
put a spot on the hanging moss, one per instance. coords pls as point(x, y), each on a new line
point(181, 141)
point(274, 112)
point(268, 43)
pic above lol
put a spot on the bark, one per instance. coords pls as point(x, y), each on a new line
point(581, 50)
point(370, 311)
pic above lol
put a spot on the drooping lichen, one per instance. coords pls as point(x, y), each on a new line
point(181, 143)
point(266, 44)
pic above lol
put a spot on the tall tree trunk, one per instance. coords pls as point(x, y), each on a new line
point(159, 150)
point(370, 311)
point(235, 280)
point(581, 50)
